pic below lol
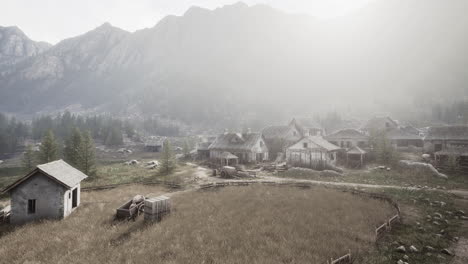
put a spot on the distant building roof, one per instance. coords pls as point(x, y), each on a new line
point(275, 131)
point(400, 134)
point(153, 142)
point(236, 141)
point(314, 142)
point(455, 132)
point(228, 155)
point(347, 134)
point(356, 150)
point(379, 123)
point(58, 170)
point(204, 146)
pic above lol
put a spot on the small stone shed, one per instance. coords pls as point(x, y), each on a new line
point(50, 191)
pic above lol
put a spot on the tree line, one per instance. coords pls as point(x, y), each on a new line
point(78, 151)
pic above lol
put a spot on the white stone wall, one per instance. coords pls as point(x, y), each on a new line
point(49, 197)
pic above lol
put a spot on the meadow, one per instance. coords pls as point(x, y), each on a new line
point(254, 224)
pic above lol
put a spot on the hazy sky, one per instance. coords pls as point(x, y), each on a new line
point(54, 20)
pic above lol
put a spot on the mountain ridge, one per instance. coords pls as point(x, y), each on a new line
point(242, 59)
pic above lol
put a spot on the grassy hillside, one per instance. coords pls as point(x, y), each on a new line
point(252, 224)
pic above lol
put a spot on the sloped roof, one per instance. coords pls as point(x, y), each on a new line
point(380, 123)
point(236, 141)
point(411, 129)
point(228, 155)
point(314, 142)
point(275, 131)
point(397, 134)
point(204, 145)
point(348, 133)
point(152, 142)
point(356, 150)
point(58, 170)
point(456, 132)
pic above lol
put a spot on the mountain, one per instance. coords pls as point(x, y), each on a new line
point(15, 46)
point(241, 62)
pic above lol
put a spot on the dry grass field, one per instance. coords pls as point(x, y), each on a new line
point(254, 224)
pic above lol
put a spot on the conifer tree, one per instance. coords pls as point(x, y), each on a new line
point(86, 155)
point(168, 162)
point(186, 148)
point(29, 159)
point(48, 151)
point(72, 147)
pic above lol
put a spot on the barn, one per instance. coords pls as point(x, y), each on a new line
point(50, 191)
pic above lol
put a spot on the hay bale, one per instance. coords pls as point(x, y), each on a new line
point(424, 167)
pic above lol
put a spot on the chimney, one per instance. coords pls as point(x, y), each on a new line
point(226, 131)
point(306, 133)
point(319, 133)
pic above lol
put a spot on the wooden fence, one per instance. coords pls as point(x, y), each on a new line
point(346, 259)
point(171, 185)
point(380, 230)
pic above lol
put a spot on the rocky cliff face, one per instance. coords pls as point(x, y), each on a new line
point(240, 59)
point(15, 46)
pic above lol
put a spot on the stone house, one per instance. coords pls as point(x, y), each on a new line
point(312, 152)
point(247, 147)
point(348, 138)
point(50, 191)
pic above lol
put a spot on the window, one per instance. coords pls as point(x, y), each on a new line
point(31, 206)
point(305, 145)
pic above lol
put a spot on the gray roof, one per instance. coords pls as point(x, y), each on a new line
point(400, 134)
point(456, 132)
point(63, 172)
point(314, 142)
point(347, 134)
point(378, 123)
point(275, 131)
point(236, 142)
point(58, 170)
point(204, 146)
point(228, 155)
point(356, 150)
